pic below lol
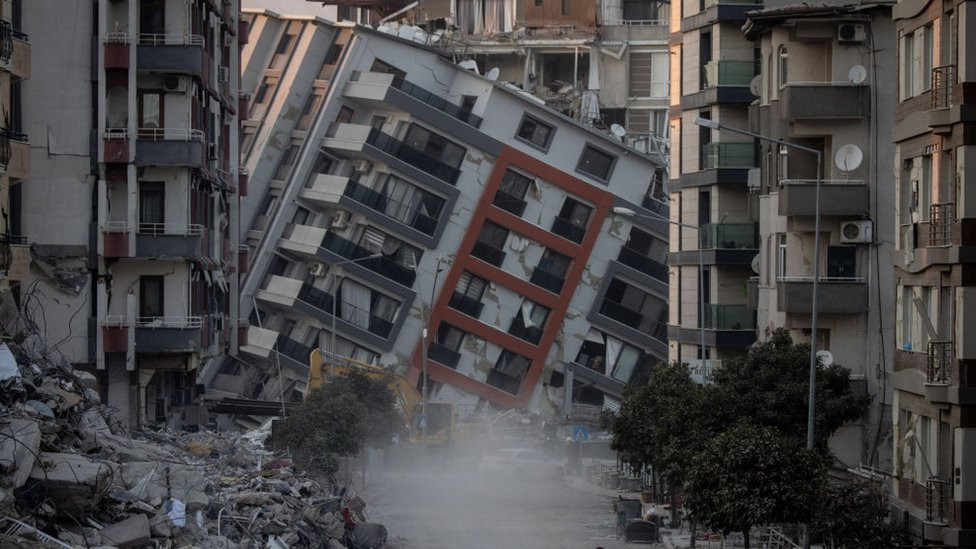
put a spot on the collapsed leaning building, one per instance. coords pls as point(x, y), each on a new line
point(400, 191)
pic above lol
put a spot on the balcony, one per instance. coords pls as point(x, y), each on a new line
point(549, 281)
point(380, 265)
point(15, 51)
point(824, 101)
point(299, 353)
point(260, 341)
point(723, 81)
point(568, 230)
point(941, 220)
point(170, 53)
point(532, 334)
point(379, 202)
point(718, 10)
point(414, 157)
point(375, 86)
point(938, 365)
point(504, 382)
point(634, 319)
point(835, 295)
point(168, 334)
point(18, 163)
point(728, 72)
point(509, 202)
point(937, 503)
point(488, 253)
point(443, 355)
point(325, 190)
point(116, 50)
point(837, 197)
point(729, 317)
point(319, 299)
point(115, 240)
point(730, 236)
point(644, 264)
point(437, 102)
point(467, 305)
point(116, 145)
point(170, 147)
point(943, 80)
point(729, 155)
point(169, 241)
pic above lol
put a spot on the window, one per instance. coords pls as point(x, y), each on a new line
point(648, 121)
point(301, 216)
point(332, 56)
point(915, 50)
point(781, 256)
point(646, 253)
point(435, 146)
point(648, 74)
point(572, 219)
point(704, 140)
point(286, 162)
point(152, 212)
point(393, 249)
point(311, 106)
point(449, 337)
point(515, 184)
point(535, 132)
point(150, 109)
point(554, 263)
point(784, 58)
point(565, 7)
point(635, 308)
point(508, 372)
point(411, 205)
point(151, 296)
point(467, 294)
point(152, 17)
point(490, 243)
point(596, 163)
point(386, 68)
point(529, 321)
point(281, 52)
point(627, 360)
point(841, 261)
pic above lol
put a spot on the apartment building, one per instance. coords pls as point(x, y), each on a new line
point(15, 68)
point(934, 483)
point(134, 217)
point(823, 85)
point(393, 193)
point(712, 223)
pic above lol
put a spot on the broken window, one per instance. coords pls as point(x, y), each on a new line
point(535, 132)
point(596, 163)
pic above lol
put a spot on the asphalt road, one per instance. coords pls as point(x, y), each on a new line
point(452, 507)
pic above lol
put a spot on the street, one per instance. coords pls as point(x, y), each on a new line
point(453, 507)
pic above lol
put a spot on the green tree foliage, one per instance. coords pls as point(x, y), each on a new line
point(851, 515)
point(339, 419)
point(770, 386)
point(752, 475)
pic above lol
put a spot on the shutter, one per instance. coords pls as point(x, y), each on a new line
point(640, 74)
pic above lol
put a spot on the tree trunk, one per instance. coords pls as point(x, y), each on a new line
point(692, 530)
point(675, 512)
point(745, 538)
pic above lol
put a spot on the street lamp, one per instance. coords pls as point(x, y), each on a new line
point(627, 212)
point(423, 364)
point(811, 407)
point(335, 297)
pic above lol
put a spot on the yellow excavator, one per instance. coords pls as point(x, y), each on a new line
point(442, 422)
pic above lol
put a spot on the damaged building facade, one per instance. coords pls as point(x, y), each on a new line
point(133, 221)
point(391, 190)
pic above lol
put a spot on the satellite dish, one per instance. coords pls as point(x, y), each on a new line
point(755, 87)
point(857, 75)
point(618, 130)
point(848, 157)
point(825, 357)
point(469, 64)
point(492, 74)
point(755, 264)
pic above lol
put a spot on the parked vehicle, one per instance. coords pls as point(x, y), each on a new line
point(524, 463)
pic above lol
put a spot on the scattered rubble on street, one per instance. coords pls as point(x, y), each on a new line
point(72, 477)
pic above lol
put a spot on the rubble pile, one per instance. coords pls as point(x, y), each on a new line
point(72, 477)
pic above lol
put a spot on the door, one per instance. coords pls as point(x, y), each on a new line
point(150, 296)
point(152, 17)
point(841, 261)
point(152, 213)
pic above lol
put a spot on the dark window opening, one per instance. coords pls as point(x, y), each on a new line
point(150, 296)
point(596, 163)
point(535, 132)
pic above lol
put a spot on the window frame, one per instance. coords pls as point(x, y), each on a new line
point(548, 141)
point(600, 150)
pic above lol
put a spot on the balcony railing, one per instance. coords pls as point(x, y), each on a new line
point(504, 382)
point(508, 202)
point(545, 279)
point(938, 370)
point(568, 230)
point(729, 317)
point(292, 349)
point(729, 155)
point(443, 355)
point(943, 80)
point(710, 3)
point(6, 41)
point(937, 500)
point(644, 264)
point(729, 236)
point(437, 102)
point(941, 217)
point(320, 299)
point(162, 39)
point(466, 304)
point(5, 150)
point(728, 72)
point(381, 265)
point(171, 229)
point(634, 319)
point(170, 134)
point(171, 322)
point(488, 253)
point(379, 202)
point(412, 156)
point(532, 334)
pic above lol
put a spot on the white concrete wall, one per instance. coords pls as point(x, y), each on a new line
point(176, 285)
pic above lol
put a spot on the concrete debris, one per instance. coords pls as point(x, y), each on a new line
point(72, 476)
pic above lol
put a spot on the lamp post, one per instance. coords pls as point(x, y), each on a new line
point(423, 365)
point(335, 297)
point(627, 212)
point(811, 406)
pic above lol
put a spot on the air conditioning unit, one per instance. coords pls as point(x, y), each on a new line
point(341, 219)
point(174, 84)
point(851, 32)
point(362, 166)
point(223, 75)
point(856, 232)
point(318, 269)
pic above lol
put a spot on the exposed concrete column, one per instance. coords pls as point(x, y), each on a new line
point(567, 391)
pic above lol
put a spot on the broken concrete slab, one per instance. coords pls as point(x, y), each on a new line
point(21, 440)
point(74, 483)
point(131, 532)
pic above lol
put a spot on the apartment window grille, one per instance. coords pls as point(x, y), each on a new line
point(939, 362)
point(940, 224)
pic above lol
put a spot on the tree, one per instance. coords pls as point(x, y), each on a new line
point(339, 419)
point(851, 515)
point(752, 475)
point(770, 385)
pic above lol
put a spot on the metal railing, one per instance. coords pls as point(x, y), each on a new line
point(943, 80)
point(116, 38)
point(443, 355)
point(116, 133)
point(436, 102)
point(532, 334)
point(381, 265)
point(728, 72)
point(801, 182)
point(643, 263)
point(568, 230)
point(320, 299)
point(170, 134)
point(170, 229)
point(729, 236)
point(171, 321)
point(415, 157)
point(487, 252)
point(936, 501)
point(853, 279)
point(503, 382)
point(6, 41)
point(729, 155)
point(509, 202)
point(545, 279)
point(941, 218)
point(729, 317)
point(711, 3)
point(163, 39)
point(380, 202)
point(636, 22)
point(466, 304)
point(938, 363)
